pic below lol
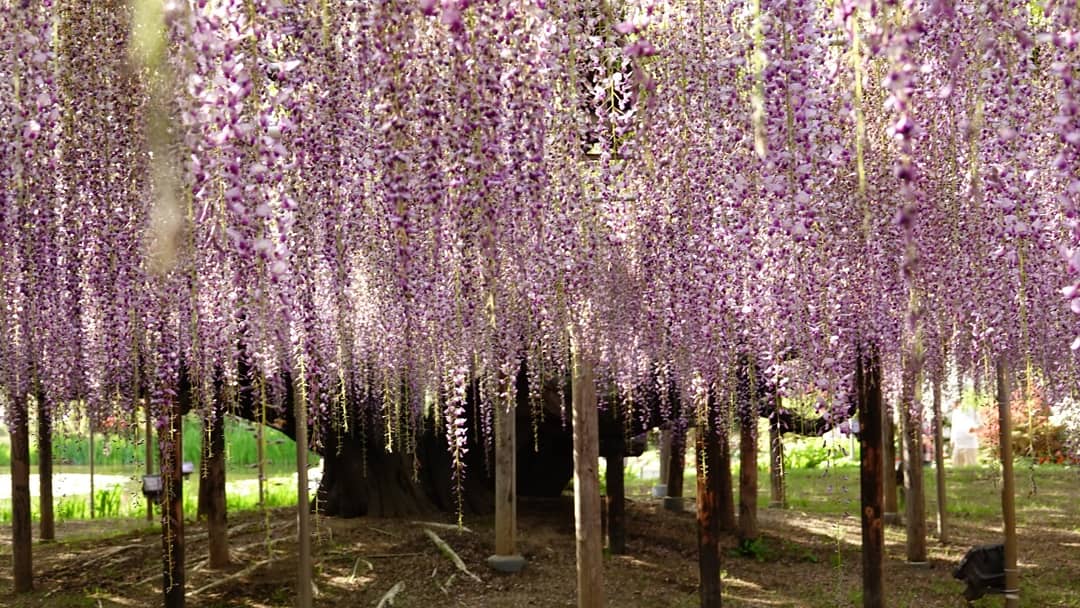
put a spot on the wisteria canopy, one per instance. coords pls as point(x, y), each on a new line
point(390, 198)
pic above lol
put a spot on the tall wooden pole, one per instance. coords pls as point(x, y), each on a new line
point(214, 483)
point(915, 501)
point(939, 464)
point(21, 527)
point(90, 423)
point(506, 558)
point(45, 470)
point(748, 477)
point(778, 495)
point(708, 515)
point(590, 580)
point(1008, 489)
point(726, 489)
point(170, 444)
point(615, 478)
point(871, 472)
point(303, 508)
point(149, 460)
point(676, 467)
point(888, 479)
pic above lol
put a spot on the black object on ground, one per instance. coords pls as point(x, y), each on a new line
point(983, 569)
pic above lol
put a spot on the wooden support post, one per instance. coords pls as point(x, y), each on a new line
point(303, 507)
point(868, 385)
point(214, 483)
point(506, 558)
point(748, 477)
point(777, 496)
point(170, 445)
point(45, 470)
point(726, 490)
point(888, 479)
point(21, 527)
point(1008, 488)
point(665, 456)
point(915, 496)
point(90, 424)
point(590, 580)
point(708, 514)
point(616, 496)
point(939, 464)
point(149, 460)
point(676, 469)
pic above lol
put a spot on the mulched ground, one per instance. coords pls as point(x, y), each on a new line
point(803, 560)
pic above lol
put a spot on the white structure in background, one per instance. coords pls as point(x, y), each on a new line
point(965, 443)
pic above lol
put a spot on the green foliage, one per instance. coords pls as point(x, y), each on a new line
point(71, 446)
point(1034, 435)
point(812, 452)
point(756, 548)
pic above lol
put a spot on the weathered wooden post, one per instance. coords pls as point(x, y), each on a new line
point(1008, 488)
point(726, 489)
point(748, 477)
point(915, 496)
point(939, 463)
point(506, 558)
point(708, 513)
point(21, 527)
point(615, 478)
point(212, 488)
point(888, 456)
point(170, 445)
point(871, 472)
point(778, 495)
point(303, 507)
point(149, 459)
point(676, 467)
point(45, 470)
point(90, 423)
point(590, 580)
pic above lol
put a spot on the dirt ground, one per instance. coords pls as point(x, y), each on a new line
point(804, 560)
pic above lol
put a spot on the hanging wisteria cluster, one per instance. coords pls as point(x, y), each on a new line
point(381, 202)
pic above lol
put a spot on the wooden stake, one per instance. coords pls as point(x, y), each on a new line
point(708, 515)
point(777, 496)
point(170, 444)
point(216, 517)
point(149, 461)
point(915, 495)
point(939, 464)
point(871, 473)
point(888, 454)
point(1008, 490)
point(45, 471)
point(616, 496)
point(590, 581)
point(728, 522)
point(21, 527)
point(303, 509)
point(90, 423)
point(676, 469)
point(748, 478)
point(505, 474)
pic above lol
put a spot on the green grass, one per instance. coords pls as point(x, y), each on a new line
point(125, 502)
point(71, 445)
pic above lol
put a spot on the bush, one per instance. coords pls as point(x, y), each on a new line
point(1034, 435)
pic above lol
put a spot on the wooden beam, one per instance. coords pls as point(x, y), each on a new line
point(616, 496)
point(939, 464)
point(21, 527)
point(888, 479)
point(303, 508)
point(748, 477)
point(45, 470)
point(708, 514)
point(170, 445)
point(915, 494)
point(871, 474)
point(1008, 488)
point(777, 493)
point(216, 516)
point(590, 580)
